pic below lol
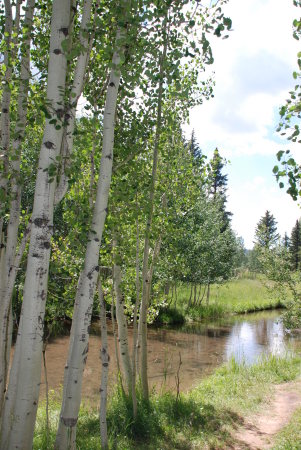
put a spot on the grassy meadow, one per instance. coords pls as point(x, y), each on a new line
point(237, 296)
point(205, 418)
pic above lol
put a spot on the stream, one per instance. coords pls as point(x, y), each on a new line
point(202, 347)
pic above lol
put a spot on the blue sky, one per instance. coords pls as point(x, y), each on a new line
point(253, 74)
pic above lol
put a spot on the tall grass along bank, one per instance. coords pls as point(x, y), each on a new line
point(237, 296)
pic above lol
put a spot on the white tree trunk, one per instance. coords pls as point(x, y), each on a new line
point(76, 91)
point(147, 278)
point(11, 40)
point(122, 329)
point(5, 112)
point(6, 336)
point(105, 359)
point(8, 255)
point(78, 347)
point(143, 322)
point(29, 341)
point(9, 400)
point(135, 330)
point(10, 397)
point(115, 340)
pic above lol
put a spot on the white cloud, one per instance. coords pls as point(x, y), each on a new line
point(253, 73)
point(252, 68)
point(249, 203)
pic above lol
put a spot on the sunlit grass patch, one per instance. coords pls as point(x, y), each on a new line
point(237, 296)
point(243, 388)
point(290, 437)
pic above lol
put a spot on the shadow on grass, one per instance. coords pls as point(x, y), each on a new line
point(170, 316)
point(168, 423)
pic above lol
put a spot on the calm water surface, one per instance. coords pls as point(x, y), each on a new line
point(201, 347)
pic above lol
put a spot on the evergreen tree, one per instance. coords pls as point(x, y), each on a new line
point(217, 185)
point(266, 235)
point(195, 151)
point(286, 241)
point(295, 245)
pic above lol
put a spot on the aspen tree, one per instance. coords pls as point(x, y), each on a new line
point(79, 339)
point(11, 34)
point(135, 325)
point(122, 326)
point(177, 29)
point(105, 359)
point(19, 415)
point(9, 260)
point(5, 111)
point(145, 269)
point(84, 50)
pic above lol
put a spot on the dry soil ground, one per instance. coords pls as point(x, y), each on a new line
point(258, 431)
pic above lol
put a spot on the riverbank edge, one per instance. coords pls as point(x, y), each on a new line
point(177, 316)
point(205, 417)
point(236, 296)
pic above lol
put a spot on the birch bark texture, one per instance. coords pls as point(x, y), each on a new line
point(105, 359)
point(20, 417)
point(122, 329)
point(78, 347)
point(135, 324)
point(76, 91)
point(145, 269)
point(8, 257)
point(5, 111)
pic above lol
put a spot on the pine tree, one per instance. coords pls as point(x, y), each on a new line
point(295, 245)
point(195, 150)
point(217, 185)
point(266, 235)
point(286, 241)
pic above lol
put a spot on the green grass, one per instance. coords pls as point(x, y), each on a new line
point(170, 316)
point(237, 296)
point(290, 437)
point(201, 419)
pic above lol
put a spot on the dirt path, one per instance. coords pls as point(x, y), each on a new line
point(258, 432)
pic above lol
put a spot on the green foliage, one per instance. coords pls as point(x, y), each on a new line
point(286, 284)
point(266, 235)
point(290, 113)
point(170, 316)
point(217, 185)
point(295, 245)
point(204, 251)
point(196, 152)
point(253, 264)
point(187, 30)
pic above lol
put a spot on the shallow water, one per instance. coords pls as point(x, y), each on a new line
point(201, 347)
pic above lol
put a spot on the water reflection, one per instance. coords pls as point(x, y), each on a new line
point(202, 348)
point(250, 339)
